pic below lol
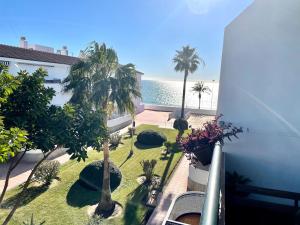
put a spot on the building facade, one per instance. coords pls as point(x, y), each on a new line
point(58, 67)
point(259, 90)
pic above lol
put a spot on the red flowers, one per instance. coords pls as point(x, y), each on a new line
point(205, 138)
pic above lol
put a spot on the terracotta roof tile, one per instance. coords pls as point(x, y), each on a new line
point(33, 55)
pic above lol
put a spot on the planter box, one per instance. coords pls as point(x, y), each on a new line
point(198, 178)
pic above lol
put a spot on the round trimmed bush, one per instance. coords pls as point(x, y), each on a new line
point(181, 124)
point(151, 137)
point(92, 175)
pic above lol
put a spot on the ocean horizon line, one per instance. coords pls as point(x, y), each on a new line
point(178, 80)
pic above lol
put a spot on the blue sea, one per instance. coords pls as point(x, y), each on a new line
point(170, 93)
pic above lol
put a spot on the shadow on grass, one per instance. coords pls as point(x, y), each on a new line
point(80, 196)
point(130, 154)
point(114, 147)
point(145, 147)
point(174, 149)
point(26, 198)
point(165, 174)
point(136, 200)
point(165, 157)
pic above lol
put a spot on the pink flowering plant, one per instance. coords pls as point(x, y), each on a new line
point(199, 145)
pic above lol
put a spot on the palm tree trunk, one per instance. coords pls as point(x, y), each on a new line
point(199, 100)
point(183, 94)
point(106, 204)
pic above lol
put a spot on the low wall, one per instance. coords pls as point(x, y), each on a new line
point(33, 156)
point(119, 123)
point(140, 108)
point(165, 108)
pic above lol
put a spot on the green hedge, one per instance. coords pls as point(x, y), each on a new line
point(151, 137)
point(91, 176)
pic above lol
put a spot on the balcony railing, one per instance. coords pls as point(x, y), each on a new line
point(213, 203)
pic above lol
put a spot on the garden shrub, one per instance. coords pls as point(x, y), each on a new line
point(151, 137)
point(115, 139)
point(47, 172)
point(148, 168)
point(181, 125)
point(91, 176)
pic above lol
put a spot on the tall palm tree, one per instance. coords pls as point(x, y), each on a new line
point(100, 80)
point(200, 88)
point(187, 61)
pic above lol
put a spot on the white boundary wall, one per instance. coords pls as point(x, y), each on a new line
point(175, 108)
point(119, 123)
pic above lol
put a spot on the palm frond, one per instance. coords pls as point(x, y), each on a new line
point(187, 59)
point(100, 79)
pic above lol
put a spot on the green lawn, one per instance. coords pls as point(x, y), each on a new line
point(67, 201)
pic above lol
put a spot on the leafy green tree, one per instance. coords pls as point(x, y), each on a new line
point(85, 129)
point(28, 107)
point(49, 127)
point(200, 88)
point(186, 60)
point(7, 83)
point(100, 79)
point(12, 140)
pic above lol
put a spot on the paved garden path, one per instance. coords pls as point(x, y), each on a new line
point(21, 172)
point(197, 120)
point(154, 118)
point(177, 185)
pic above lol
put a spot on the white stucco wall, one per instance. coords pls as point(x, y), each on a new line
point(55, 71)
point(259, 90)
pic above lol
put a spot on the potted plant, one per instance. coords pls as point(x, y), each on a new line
point(198, 146)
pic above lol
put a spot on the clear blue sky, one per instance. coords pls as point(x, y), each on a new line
point(144, 32)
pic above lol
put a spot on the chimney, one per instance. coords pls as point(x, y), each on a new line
point(64, 50)
point(23, 42)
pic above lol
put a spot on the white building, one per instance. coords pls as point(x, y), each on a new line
point(259, 90)
point(57, 66)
